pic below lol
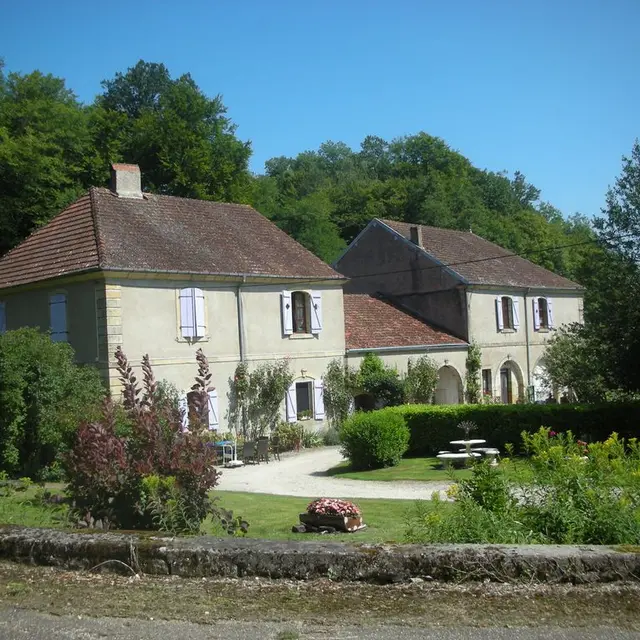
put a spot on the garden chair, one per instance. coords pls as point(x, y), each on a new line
point(249, 451)
point(263, 450)
point(275, 447)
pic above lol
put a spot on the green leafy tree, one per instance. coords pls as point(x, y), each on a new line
point(182, 140)
point(44, 396)
point(421, 380)
point(339, 389)
point(380, 381)
point(46, 153)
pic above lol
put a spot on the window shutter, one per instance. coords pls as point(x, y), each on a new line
point(536, 314)
point(200, 327)
point(292, 404)
point(316, 312)
point(183, 406)
point(318, 400)
point(550, 313)
point(287, 313)
point(3, 317)
point(213, 410)
point(187, 313)
point(499, 313)
point(516, 313)
point(58, 317)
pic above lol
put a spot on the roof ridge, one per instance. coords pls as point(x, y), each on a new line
point(169, 196)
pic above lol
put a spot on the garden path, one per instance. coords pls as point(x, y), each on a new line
point(304, 474)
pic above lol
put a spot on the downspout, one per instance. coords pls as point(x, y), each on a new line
point(241, 344)
point(240, 318)
point(526, 329)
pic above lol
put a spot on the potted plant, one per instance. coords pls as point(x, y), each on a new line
point(340, 515)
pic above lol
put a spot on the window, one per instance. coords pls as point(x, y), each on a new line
point(301, 312)
point(305, 400)
point(3, 317)
point(487, 387)
point(192, 321)
point(58, 317)
point(507, 313)
point(542, 313)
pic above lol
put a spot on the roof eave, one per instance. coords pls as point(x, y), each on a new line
point(454, 346)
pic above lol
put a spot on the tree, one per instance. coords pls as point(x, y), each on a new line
point(421, 380)
point(339, 389)
point(46, 153)
point(182, 140)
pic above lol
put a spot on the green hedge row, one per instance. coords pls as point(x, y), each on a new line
point(432, 427)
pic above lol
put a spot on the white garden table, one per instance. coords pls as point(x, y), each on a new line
point(468, 443)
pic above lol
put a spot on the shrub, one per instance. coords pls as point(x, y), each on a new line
point(311, 439)
point(331, 437)
point(339, 388)
point(566, 492)
point(157, 474)
point(432, 427)
point(43, 397)
point(421, 380)
point(380, 381)
point(289, 434)
point(375, 439)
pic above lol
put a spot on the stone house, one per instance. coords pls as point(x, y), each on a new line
point(165, 276)
point(468, 289)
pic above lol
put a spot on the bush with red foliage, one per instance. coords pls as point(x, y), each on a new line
point(107, 471)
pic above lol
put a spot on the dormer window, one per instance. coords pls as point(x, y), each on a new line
point(507, 312)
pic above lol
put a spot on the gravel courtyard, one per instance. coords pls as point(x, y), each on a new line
point(304, 474)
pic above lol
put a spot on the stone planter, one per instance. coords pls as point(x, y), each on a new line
point(339, 523)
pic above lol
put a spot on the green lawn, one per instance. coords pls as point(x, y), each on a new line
point(416, 469)
point(419, 470)
point(269, 516)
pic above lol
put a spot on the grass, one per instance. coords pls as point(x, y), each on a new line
point(415, 470)
point(270, 517)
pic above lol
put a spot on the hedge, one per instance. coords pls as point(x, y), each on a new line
point(432, 427)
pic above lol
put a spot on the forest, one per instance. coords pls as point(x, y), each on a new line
point(53, 147)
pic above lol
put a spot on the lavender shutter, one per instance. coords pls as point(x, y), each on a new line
point(183, 407)
point(499, 313)
point(318, 400)
point(291, 404)
point(187, 313)
point(198, 307)
point(536, 314)
point(58, 317)
point(287, 313)
point(316, 312)
point(213, 410)
point(550, 313)
point(516, 312)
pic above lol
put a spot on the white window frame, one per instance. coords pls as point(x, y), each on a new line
point(59, 333)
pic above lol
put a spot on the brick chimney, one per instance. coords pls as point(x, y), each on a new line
point(126, 181)
point(415, 235)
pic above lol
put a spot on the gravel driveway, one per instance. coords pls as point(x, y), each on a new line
point(304, 474)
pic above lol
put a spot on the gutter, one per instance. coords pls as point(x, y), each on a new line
point(416, 347)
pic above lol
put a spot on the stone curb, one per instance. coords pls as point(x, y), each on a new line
point(237, 557)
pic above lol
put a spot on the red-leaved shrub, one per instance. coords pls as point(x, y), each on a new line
point(109, 473)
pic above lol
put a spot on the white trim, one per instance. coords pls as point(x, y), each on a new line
point(415, 347)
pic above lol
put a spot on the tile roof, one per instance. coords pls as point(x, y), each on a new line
point(159, 233)
point(479, 261)
point(371, 323)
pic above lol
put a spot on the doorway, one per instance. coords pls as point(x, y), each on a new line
point(506, 390)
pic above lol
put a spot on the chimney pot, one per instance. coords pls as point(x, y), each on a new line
point(126, 181)
point(416, 236)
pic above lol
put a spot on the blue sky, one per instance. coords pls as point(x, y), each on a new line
point(547, 87)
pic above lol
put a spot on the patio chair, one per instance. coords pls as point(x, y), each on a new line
point(275, 447)
point(249, 451)
point(263, 450)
